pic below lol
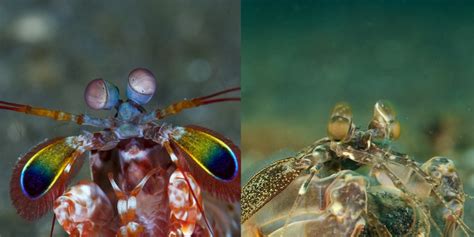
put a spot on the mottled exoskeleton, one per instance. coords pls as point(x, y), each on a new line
point(148, 177)
point(352, 183)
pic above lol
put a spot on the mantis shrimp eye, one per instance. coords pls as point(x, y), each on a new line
point(384, 119)
point(141, 86)
point(101, 94)
point(340, 123)
point(395, 130)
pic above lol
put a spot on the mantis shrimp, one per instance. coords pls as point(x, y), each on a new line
point(351, 183)
point(148, 177)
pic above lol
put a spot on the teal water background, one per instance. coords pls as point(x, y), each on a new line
point(299, 58)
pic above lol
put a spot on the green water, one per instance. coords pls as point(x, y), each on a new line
point(299, 58)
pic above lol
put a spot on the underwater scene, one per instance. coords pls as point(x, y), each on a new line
point(357, 118)
point(51, 50)
point(405, 132)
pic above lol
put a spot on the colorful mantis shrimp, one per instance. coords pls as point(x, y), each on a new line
point(323, 190)
point(147, 176)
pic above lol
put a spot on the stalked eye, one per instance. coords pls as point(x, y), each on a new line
point(141, 85)
point(384, 119)
point(101, 94)
point(340, 123)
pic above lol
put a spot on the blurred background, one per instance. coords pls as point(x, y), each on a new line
point(50, 50)
point(299, 58)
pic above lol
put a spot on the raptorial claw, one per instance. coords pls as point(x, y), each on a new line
point(85, 210)
point(449, 190)
point(184, 209)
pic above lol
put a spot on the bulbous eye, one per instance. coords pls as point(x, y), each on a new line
point(340, 123)
point(141, 85)
point(385, 120)
point(101, 94)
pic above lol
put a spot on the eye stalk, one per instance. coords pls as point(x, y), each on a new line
point(141, 86)
point(101, 94)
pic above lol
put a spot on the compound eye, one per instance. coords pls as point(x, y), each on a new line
point(384, 119)
point(340, 123)
point(395, 130)
point(101, 94)
point(141, 86)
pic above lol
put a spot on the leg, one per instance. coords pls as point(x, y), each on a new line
point(441, 170)
point(388, 174)
point(391, 160)
point(450, 190)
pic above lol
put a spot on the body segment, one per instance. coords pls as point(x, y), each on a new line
point(141, 168)
point(397, 191)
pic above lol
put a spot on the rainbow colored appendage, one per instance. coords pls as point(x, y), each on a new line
point(45, 167)
point(209, 152)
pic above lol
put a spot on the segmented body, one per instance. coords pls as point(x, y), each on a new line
point(334, 195)
point(148, 178)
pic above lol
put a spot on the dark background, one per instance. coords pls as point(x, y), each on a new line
point(299, 58)
point(50, 50)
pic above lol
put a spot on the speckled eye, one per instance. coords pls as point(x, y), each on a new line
point(141, 85)
point(101, 94)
